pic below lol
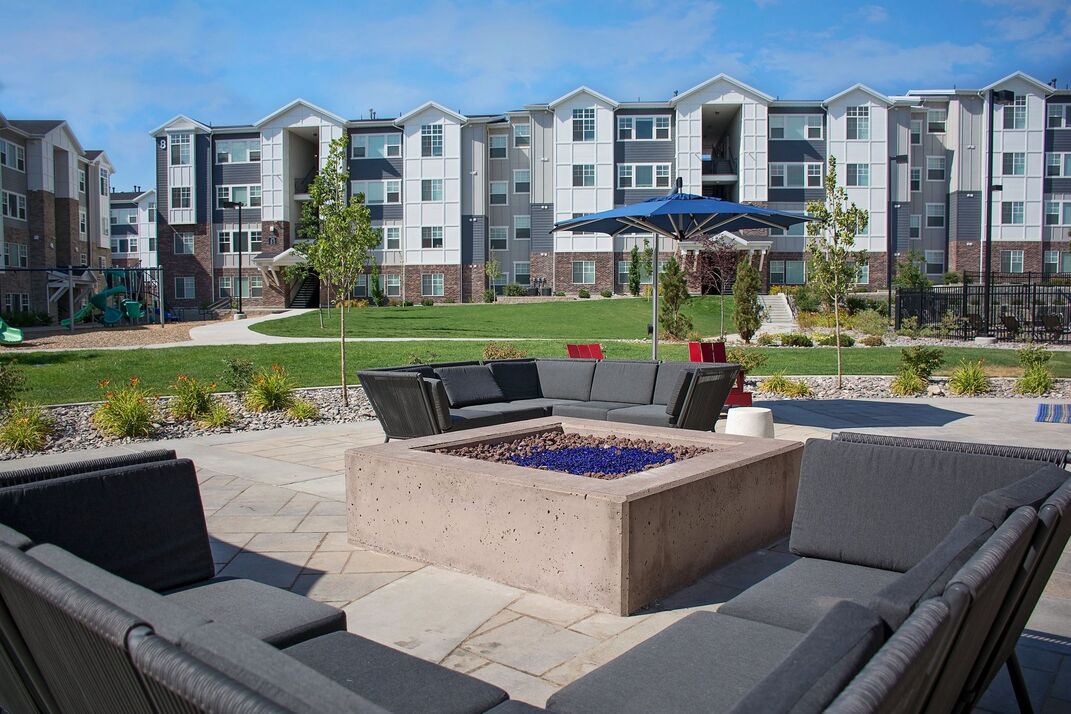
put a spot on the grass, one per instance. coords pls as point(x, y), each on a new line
point(60, 377)
point(587, 320)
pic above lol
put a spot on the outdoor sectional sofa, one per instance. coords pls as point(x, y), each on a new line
point(430, 399)
point(910, 572)
point(109, 603)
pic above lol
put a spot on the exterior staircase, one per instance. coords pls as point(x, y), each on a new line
point(308, 294)
point(777, 315)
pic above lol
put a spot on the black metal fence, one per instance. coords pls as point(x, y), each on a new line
point(974, 277)
point(1017, 312)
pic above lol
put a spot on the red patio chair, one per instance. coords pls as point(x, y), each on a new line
point(715, 352)
point(588, 351)
point(572, 350)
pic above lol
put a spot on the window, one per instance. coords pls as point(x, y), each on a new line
point(378, 192)
point(234, 151)
point(935, 168)
point(795, 127)
point(1014, 163)
point(180, 149)
point(522, 181)
point(634, 128)
point(235, 242)
point(376, 146)
point(497, 144)
point(498, 237)
point(643, 175)
point(863, 277)
point(105, 229)
point(914, 226)
point(522, 272)
point(252, 287)
point(150, 212)
point(522, 227)
point(1059, 116)
point(124, 245)
point(807, 175)
point(1015, 113)
point(431, 284)
point(248, 196)
point(16, 255)
point(859, 122)
point(583, 174)
point(184, 288)
point(935, 261)
point(14, 205)
point(1057, 164)
point(800, 229)
point(858, 174)
point(1012, 212)
point(499, 193)
point(916, 132)
point(788, 272)
point(13, 156)
point(583, 125)
point(392, 237)
point(81, 180)
point(935, 215)
point(522, 135)
point(83, 221)
point(935, 120)
point(431, 236)
point(392, 284)
point(431, 189)
point(501, 279)
point(16, 302)
point(431, 140)
point(1052, 213)
point(184, 244)
point(584, 272)
point(180, 197)
point(115, 219)
point(1011, 261)
point(360, 288)
point(916, 178)
point(103, 182)
point(1057, 261)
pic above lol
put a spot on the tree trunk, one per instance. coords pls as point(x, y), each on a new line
point(342, 354)
point(836, 330)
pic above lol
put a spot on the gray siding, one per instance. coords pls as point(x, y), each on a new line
point(629, 196)
point(1055, 185)
point(163, 191)
point(473, 169)
point(388, 212)
point(900, 227)
point(206, 192)
point(1058, 140)
point(375, 169)
point(473, 239)
point(542, 222)
point(798, 196)
point(643, 152)
point(123, 229)
point(542, 158)
point(792, 151)
point(965, 215)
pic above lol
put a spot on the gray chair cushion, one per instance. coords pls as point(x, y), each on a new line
point(394, 680)
point(470, 418)
point(518, 380)
point(649, 414)
point(278, 617)
point(513, 411)
point(587, 410)
point(1032, 491)
point(440, 402)
point(707, 662)
point(679, 393)
point(930, 575)
point(10, 536)
point(631, 382)
point(798, 596)
point(513, 706)
point(471, 384)
point(819, 667)
point(544, 403)
point(666, 381)
point(885, 506)
point(566, 378)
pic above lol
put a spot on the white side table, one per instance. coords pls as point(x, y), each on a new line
point(750, 421)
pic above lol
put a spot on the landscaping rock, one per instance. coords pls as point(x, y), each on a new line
point(877, 387)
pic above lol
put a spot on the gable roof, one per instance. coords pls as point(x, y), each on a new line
point(583, 90)
point(299, 102)
point(36, 127)
point(180, 118)
point(430, 105)
point(721, 77)
point(131, 196)
point(862, 88)
point(1041, 86)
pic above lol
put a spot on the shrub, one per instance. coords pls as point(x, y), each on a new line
point(271, 390)
point(582, 293)
point(968, 379)
point(427, 302)
point(1033, 356)
point(829, 339)
point(238, 375)
point(796, 388)
point(502, 350)
point(424, 357)
point(192, 399)
point(606, 294)
point(952, 278)
point(19, 318)
point(673, 295)
point(766, 339)
point(806, 298)
point(26, 427)
point(921, 360)
point(909, 327)
point(218, 415)
point(407, 303)
point(1037, 379)
point(303, 410)
point(449, 301)
point(127, 411)
point(747, 309)
point(749, 360)
point(514, 290)
point(872, 341)
point(949, 324)
point(559, 293)
point(12, 382)
point(856, 304)
point(489, 296)
point(795, 339)
point(870, 322)
point(352, 303)
point(776, 383)
point(907, 384)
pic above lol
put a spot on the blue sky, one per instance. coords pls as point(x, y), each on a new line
point(118, 69)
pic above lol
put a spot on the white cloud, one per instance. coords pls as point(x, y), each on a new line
point(875, 14)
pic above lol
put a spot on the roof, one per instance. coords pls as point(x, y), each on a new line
point(721, 77)
point(177, 119)
point(430, 105)
point(583, 90)
point(862, 88)
point(1021, 76)
point(299, 102)
point(36, 127)
point(93, 153)
point(131, 196)
point(100, 157)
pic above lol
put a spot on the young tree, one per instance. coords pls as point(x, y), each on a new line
point(909, 275)
point(635, 278)
point(831, 248)
point(673, 293)
point(339, 234)
point(375, 291)
point(713, 263)
point(747, 311)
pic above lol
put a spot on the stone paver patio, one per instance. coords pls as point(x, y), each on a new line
point(275, 505)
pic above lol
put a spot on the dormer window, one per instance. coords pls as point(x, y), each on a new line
point(180, 149)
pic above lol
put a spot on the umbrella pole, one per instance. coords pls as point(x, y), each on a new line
point(654, 300)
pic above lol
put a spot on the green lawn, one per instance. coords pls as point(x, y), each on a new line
point(58, 377)
point(594, 319)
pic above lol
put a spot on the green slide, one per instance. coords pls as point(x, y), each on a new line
point(9, 335)
point(79, 316)
point(100, 302)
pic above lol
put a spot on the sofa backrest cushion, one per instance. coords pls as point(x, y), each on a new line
point(144, 523)
point(40, 473)
point(11, 537)
point(1032, 491)
point(679, 393)
point(927, 579)
point(440, 402)
point(518, 379)
point(566, 378)
point(471, 384)
point(667, 382)
point(816, 670)
point(887, 506)
point(631, 382)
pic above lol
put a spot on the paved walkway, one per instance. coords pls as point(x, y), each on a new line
point(275, 506)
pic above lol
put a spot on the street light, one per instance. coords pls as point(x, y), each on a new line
point(238, 204)
point(1003, 97)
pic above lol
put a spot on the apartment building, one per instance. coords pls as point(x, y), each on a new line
point(133, 228)
point(55, 209)
point(451, 192)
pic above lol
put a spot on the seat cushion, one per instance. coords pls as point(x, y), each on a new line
point(440, 402)
point(707, 662)
point(649, 414)
point(518, 380)
point(566, 378)
point(1032, 491)
point(513, 411)
point(631, 382)
point(472, 418)
point(587, 410)
point(471, 384)
point(798, 596)
point(278, 617)
point(11, 537)
point(394, 680)
point(665, 382)
point(679, 393)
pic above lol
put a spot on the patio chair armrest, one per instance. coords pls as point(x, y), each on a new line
point(43, 473)
point(1051, 456)
point(401, 403)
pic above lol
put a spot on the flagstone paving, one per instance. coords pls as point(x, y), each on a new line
point(275, 507)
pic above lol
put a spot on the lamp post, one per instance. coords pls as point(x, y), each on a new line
point(238, 204)
point(1003, 97)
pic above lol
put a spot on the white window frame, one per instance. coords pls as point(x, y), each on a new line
point(499, 234)
point(185, 281)
point(12, 156)
point(1016, 209)
point(253, 196)
point(520, 186)
point(104, 188)
point(583, 272)
point(16, 302)
point(250, 286)
point(186, 198)
point(431, 140)
point(914, 226)
point(431, 235)
point(429, 188)
point(178, 141)
point(1062, 114)
point(661, 127)
point(586, 117)
point(928, 259)
point(391, 146)
point(392, 285)
point(1051, 210)
point(847, 173)
point(522, 222)
point(936, 121)
point(83, 221)
point(81, 180)
point(389, 187)
point(860, 113)
point(935, 214)
point(392, 237)
point(16, 255)
point(660, 175)
point(1018, 161)
point(936, 164)
point(226, 147)
point(1057, 164)
point(517, 273)
point(14, 205)
point(780, 122)
point(915, 133)
point(254, 239)
point(182, 242)
point(498, 193)
point(1014, 260)
point(863, 275)
point(584, 174)
point(1018, 114)
point(781, 169)
point(915, 179)
point(498, 143)
point(435, 282)
point(522, 138)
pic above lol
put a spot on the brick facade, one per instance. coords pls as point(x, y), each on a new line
point(879, 270)
point(605, 271)
point(198, 265)
point(966, 255)
point(452, 279)
point(70, 244)
point(32, 284)
point(541, 265)
point(473, 282)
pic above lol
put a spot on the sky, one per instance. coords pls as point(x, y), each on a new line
point(116, 69)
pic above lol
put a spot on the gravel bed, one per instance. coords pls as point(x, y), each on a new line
point(877, 387)
point(98, 336)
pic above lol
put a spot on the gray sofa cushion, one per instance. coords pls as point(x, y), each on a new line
point(587, 410)
point(885, 506)
point(512, 411)
point(394, 680)
point(666, 381)
point(472, 418)
point(440, 402)
point(1032, 491)
point(927, 579)
point(82, 466)
point(679, 393)
point(819, 667)
point(649, 414)
point(468, 385)
point(11, 537)
point(631, 382)
point(566, 378)
point(518, 380)
point(798, 596)
point(707, 662)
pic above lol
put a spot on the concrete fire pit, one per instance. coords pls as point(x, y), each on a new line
point(611, 544)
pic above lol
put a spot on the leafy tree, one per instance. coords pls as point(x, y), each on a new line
point(713, 262)
point(493, 271)
point(909, 274)
point(339, 234)
point(747, 311)
point(375, 291)
point(831, 248)
point(634, 275)
point(673, 294)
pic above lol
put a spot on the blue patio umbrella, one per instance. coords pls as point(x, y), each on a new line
point(680, 216)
